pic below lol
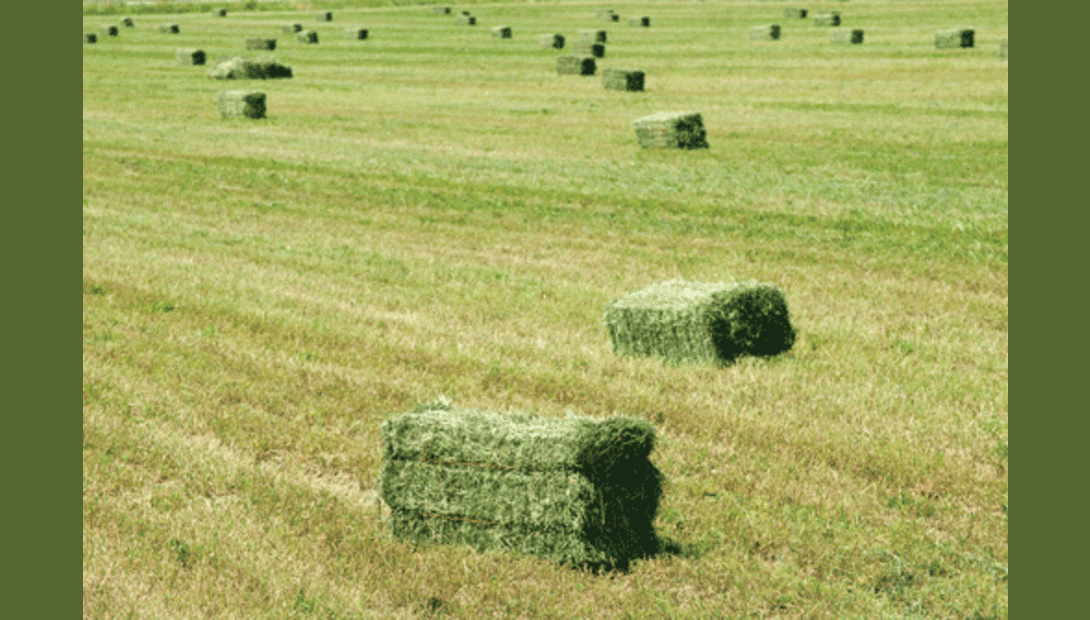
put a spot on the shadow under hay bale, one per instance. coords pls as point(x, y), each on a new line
point(239, 68)
point(260, 44)
point(832, 18)
point(555, 41)
point(441, 10)
point(219, 12)
point(110, 31)
point(241, 104)
point(90, 37)
point(622, 79)
point(501, 32)
point(169, 28)
point(696, 321)
point(128, 22)
point(574, 490)
point(307, 36)
point(586, 47)
point(639, 22)
point(954, 38)
point(575, 65)
point(466, 19)
point(793, 13)
point(291, 28)
point(190, 57)
point(854, 36)
point(356, 34)
point(671, 130)
point(769, 32)
point(1003, 49)
point(324, 16)
point(594, 36)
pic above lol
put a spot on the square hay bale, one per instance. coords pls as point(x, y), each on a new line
point(239, 68)
point(793, 13)
point(110, 31)
point(954, 38)
point(832, 18)
point(325, 16)
point(696, 321)
point(90, 37)
point(573, 490)
point(594, 36)
point(1003, 49)
point(190, 56)
point(671, 130)
point(769, 32)
point(640, 22)
point(603, 13)
point(128, 22)
point(501, 32)
point(555, 41)
point(594, 49)
point(466, 19)
point(260, 44)
point(169, 28)
point(241, 104)
point(307, 36)
point(853, 36)
point(291, 28)
point(356, 34)
point(441, 10)
point(575, 65)
point(219, 12)
point(622, 79)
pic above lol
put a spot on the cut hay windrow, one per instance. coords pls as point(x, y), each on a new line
point(954, 38)
point(832, 18)
point(291, 28)
point(622, 79)
point(574, 490)
point(853, 36)
point(241, 104)
point(466, 19)
point(768, 32)
point(696, 321)
point(1003, 49)
point(128, 22)
point(501, 32)
point(307, 36)
point(190, 56)
point(586, 47)
point(594, 36)
point(356, 34)
point(575, 65)
point(324, 16)
point(441, 10)
point(90, 37)
point(169, 28)
point(671, 130)
point(240, 68)
point(555, 41)
point(260, 44)
point(110, 31)
point(640, 22)
point(793, 13)
point(219, 12)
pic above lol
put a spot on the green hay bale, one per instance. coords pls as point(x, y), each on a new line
point(575, 65)
point(219, 12)
point(832, 18)
point(291, 28)
point(623, 79)
point(260, 44)
point(603, 13)
point(242, 104)
point(854, 36)
point(555, 41)
point(239, 68)
point(1003, 49)
point(110, 31)
point(954, 38)
point(356, 34)
point(695, 321)
point(671, 130)
point(793, 13)
point(90, 37)
point(128, 22)
point(190, 57)
point(272, 69)
point(769, 32)
point(307, 36)
point(466, 20)
point(501, 32)
point(574, 490)
point(324, 16)
point(441, 10)
point(594, 36)
point(640, 22)
point(169, 28)
point(594, 49)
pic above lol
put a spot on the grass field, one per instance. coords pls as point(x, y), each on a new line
point(434, 211)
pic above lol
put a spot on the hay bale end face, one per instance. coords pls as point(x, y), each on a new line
point(260, 44)
point(325, 16)
point(465, 19)
point(594, 36)
point(441, 10)
point(832, 18)
point(170, 28)
point(574, 490)
point(671, 130)
point(128, 22)
point(90, 37)
point(356, 34)
point(594, 49)
point(110, 31)
point(851, 37)
point(555, 41)
point(190, 57)
point(639, 22)
point(769, 32)
point(793, 13)
point(954, 38)
point(307, 36)
point(622, 79)
point(291, 28)
point(242, 104)
point(219, 12)
point(575, 65)
point(697, 321)
point(501, 32)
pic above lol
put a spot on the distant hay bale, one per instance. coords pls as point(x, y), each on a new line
point(190, 56)
point(575, 65)
point(239, 68)
point(463, 12)
point(574, 490)
point(501, 32)
point(586, 47)
point(291, 28)
point(128, 22)
point(307, 36)
point(622, 79)
point(954, 38)
point(1003, 49)
point(603, 13)
point(169, 28)
point(441, 10)
point(356, 34)
point(854, 36)
point(241, 104)
point(110, 31)
point(555, 41)
point(90, 37)
point(695, 321)
point(594, 36)
point(770, 32)
point(465, 19)
point(640, 22)
point(832, 18)
point(260, 44)
point(792, 13)
point(671, 130)
point(325, 16)
point(219, 12)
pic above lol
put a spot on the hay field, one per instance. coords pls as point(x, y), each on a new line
point(432, 211)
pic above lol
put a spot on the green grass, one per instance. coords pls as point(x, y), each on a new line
point(437, 212)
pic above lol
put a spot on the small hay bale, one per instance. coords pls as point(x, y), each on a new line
point(291, 28)
point(954, 38)
point(671, 130)
point(854, 36)
point(466, 20)
point(603, 13)
point(832, 18)
point(575, 65)
point(260, 44)
point(574, 490)
point(441, 10)
point(640, 22)
point(307, 36)
point(555, 41)
point(239, 68)
point(190, 56)
point(241, 104)
point(769, 32)
point(356, 34)
point(90, 37)
point(325, 16)
point(594, 49)
point(501, 32)
point(622, 79)
point(219, 12)
point(272, 69)
point(1003, 49)
point(169, 28)
point(594, 36)
point(793, 13)
point(128, 22)
point(695, 321)
point(110, 31)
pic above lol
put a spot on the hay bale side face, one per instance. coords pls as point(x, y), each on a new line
point(242, 104)
point(574, 490)
point(623, 79)
point(639, 22)
point(237, 68)
point(260, 44)
point(90, 37)
point(441, 10)
point(356, 34)
point(793, 13)
point(501, 32)
point(954, 38)
point(603, 13)
point(307, 36)
point(110, 31)
point(575, 65)
point(270, 68)
point(671, 130)
point(170, 28)
point(190, 57)
point(128, 22)
point(555, 41)
point(596, 50)
point(854, 36)
point(291, 28)
point(770, 32)
point(219, 12)
point(593, 36)
point(831, 18)
point(325, 16)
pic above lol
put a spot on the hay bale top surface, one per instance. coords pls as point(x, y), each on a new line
point(672, 294)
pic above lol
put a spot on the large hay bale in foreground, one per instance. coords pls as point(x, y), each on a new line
point(575, 65)
point(622, 79)
point(307, 36)
point(501, 32)
point(239, 68)
point(242, 104)
point(356, 34)
point(586, 47)
point(555, 41)
point(465, 19)
point(696, 321)
point(324, 16)
point(671, 130)
point(832, 18)
point(793, 13)
point(640, 22)
point(169, 28)
point(291, 28)
point(190, 56)
point(853, 36)
point(128, 22)
point(260, 44)
point(575, 490)
point(594, 36)
point(954, 38)
point(90, 37)
point(1003, 49)
point(441, 10)
point(110, 31)
point(769, 32)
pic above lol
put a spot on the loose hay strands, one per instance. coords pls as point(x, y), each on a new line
point(291, 28)
point(241, 104)
point(622, 79)
point(501, 32)
point(793, 13)
point(239, 68)
point(555, 41)
point(356, 34)
point(324, 16)
point(190, 57)
point(575, 65)
point(575, 490)
point(695, 321)
point(128, 22)
point(769, 32)
point(110, 31)
point(90, 37)
point(260, 44)
point(307, 36)
point(169, 28)
point(854, 36)
point(441, 10)
point(832, 18)
point(465, 19)
point(638, 22)
point(671, 130)
point(594, 49)
point(954, 38)
point(594, 36)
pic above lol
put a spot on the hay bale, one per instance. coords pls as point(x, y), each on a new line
point(325, 16)
point(575, 65)
point(307, 36)
point(603, 13)
point(501, 32)
point(464, 12)
point(555, 41)
point(1003, 49)
point(793, 13)
point(291, 28)
point(128, 22)
point(696, 321)
point(90, 37)
point(241, 104)
point(854, 36)
point(219, 12)
point(954, 38)
point(594, 36)
point(110, 31)
point(356, 34)
point(239, 68)
point(260, 44)
point(640, 22)
point(465, 19)
point(769, 32)
point(441, 10)
point(671, 130)
point(832, 18)
point(169, 28)
point(622, 79)
point(574, 490)
point(272, 69)
point(190, 56)
point(586, 47)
